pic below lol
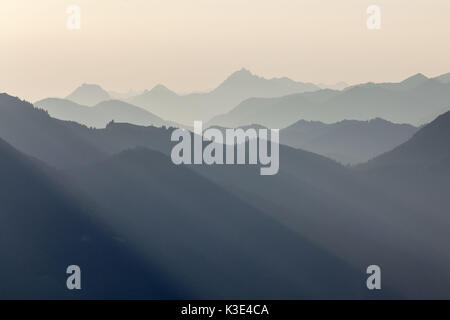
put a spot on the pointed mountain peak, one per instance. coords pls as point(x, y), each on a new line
point(90, 85)
point(88, 94)
point(160, 89)
point(243, 71)
point(241, 74)
point(415, 79)
point(90, 88)
point(240, 77)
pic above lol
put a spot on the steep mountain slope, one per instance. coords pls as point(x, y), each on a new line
point(89, 95)
point(346, 214)
point(348, 141)
point(210, 240)
point(245, 84)
point(65, 144)
point(417, 174)
point(411, 101)
point(274, 113)
point(427, 147)
point(100, 115)
point(405, 85)
point(33, 132)
point(138, 183)
point(236, 88)
point(45, 227)
point(418, 171)
point(445, 78)
point(389, 212)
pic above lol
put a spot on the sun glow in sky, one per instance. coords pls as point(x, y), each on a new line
point(193, 45)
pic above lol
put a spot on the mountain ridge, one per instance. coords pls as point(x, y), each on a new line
point(100, 114)
point(235, 88)
point(416, 101)
point(347, 141)
point(88, 94)
point(47, 226)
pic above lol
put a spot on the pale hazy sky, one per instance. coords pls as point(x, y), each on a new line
point(191, 45)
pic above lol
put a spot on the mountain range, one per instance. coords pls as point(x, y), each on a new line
point(198, 230)
point(237, 87)
point(110, 199)
point(152, 221)
point(387, 210)
point(244, 98)
point(99, 115)
point(47, 225)
point(186, 108)
point(34, 132)
point(418, 171)
point(347, 141)
point(416, 100)
point(68, 144)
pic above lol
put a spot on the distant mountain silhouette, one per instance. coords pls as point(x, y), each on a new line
point(66, 144)
point(444, 78)
point(89, 95)
point(236, 88)
point(414, 81)
point(429, 146)
point(46, 226)
point(335, 86)
point(348, 141)
point(101, 114)
point(412, 101)
point(33, 132)
point(417, 171)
